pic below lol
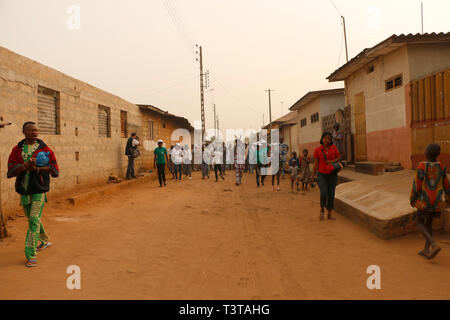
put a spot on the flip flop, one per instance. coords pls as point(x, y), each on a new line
point(434, 252)
point(43, 246)
point(31, 263)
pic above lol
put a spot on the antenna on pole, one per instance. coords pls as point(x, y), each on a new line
point(421, 15)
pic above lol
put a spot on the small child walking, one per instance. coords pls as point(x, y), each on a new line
point(305, 170)
point(294, 170)
point(427, 196)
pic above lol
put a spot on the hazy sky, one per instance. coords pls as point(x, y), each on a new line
point(135, 50)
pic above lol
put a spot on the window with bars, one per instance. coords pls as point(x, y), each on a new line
point(393, 83)
point(123, 124)
point(48, 111)
point(315, 117)
point(303, 122)
point(151, 129)
point(104, 121)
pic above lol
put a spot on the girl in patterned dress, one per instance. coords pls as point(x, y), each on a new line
point(427, 195)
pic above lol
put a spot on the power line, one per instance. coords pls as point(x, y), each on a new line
point(235, 97)
point(167, 88)
point(336, 8)
point(178, 25)
point(340, 51)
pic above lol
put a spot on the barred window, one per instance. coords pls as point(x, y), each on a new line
point(48, 111)
point(303, 122)
point(104, 121)
point(123, 124)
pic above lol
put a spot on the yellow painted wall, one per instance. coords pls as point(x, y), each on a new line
point(384, 110)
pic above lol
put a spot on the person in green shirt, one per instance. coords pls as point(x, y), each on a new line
point(160, 160)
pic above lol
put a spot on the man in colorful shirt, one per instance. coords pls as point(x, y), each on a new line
point(32, 183)
point(160, 159)
point(428, 196)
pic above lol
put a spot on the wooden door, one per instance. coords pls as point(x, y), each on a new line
point(360, 128)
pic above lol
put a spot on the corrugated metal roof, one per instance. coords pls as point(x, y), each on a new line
point(284, 120)
point(383, 48)
point(310, 96)
point(149, 107)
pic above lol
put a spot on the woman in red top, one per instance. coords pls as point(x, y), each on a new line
point(324, 155)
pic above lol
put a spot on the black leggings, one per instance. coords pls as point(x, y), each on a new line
point(177, 169)
point(327, 186)
point(161, 173)
point(218, 167)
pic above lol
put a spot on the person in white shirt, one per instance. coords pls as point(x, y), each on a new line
point(217, 159)
point(177, 159)
point(187, 162)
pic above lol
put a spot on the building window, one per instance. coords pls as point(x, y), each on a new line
point(123, 124)
point(315, 117)
point(370, 69)
point(48, 111)
point(164, 124)
point(393, 83)
point(150, 129)
point(104, 121)
point(303, 122)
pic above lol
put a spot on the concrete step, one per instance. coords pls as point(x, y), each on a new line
point(370, 167)
point(109, 188)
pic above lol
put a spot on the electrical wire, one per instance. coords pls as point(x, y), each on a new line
point(340, 51)
point(336, 8)
point(167, 88)
point(178, 25)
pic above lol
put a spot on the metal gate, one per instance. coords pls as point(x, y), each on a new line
point(343, 117)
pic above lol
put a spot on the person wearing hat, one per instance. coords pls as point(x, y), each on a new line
point(159, 161)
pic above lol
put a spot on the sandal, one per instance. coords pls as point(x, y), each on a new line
point(43, 246)
point(31, 263)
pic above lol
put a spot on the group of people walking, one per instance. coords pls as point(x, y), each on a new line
point(33, 163)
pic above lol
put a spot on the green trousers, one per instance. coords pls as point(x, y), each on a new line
point(36, 231)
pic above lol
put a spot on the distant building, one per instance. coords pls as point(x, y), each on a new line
point(310, 110)
point(287, 126)
point(399, 94)
point(158, 124)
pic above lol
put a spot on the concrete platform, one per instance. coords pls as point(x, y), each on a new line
point(380, 203)
point(370, 167)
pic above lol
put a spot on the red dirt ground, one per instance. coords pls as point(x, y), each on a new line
point(198, 239)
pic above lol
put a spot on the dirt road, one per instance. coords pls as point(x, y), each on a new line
point(199, 239)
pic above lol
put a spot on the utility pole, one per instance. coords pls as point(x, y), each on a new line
point(345, 37)
point(270, 108)
point(202, 86)
point(215, 121)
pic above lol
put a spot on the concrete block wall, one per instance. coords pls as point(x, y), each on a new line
point(98, 156)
